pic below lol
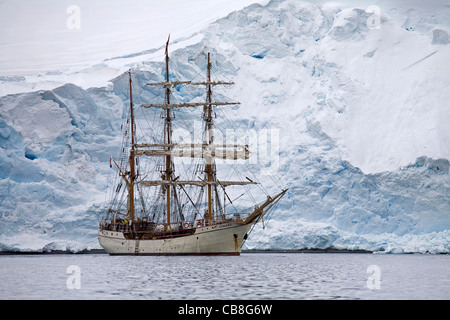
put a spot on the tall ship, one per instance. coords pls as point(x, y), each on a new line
point(161, 206)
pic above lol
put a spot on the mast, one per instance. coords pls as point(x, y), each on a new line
point(168, 133)
point(206, 150)
point(132, 156)
point(209, 166)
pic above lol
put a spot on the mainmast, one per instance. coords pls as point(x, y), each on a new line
point(132, 155)
point(208, 119)
point(168, 134)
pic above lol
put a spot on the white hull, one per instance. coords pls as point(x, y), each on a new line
point(220, 239)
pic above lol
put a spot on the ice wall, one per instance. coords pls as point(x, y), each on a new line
point(360, 105)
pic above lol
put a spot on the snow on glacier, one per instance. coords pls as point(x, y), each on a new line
point(41, 49)
point(361, 112)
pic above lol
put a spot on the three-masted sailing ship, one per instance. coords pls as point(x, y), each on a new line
point(185, 216)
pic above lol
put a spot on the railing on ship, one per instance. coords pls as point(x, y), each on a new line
point(143, 225)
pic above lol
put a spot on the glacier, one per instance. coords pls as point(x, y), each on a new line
point(357, 92)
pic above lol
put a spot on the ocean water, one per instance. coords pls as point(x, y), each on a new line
point(251, 276)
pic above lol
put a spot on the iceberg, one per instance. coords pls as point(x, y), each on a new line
point(356, 94)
